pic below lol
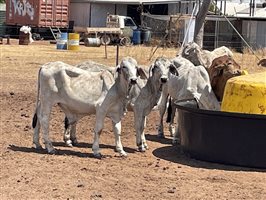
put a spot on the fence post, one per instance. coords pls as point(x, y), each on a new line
point(105, 46)
point(117, 54)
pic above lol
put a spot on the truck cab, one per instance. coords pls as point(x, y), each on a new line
point(125, 21)
point(118, 21)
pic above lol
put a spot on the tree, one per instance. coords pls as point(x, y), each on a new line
point(2, 1)
point(200, 18)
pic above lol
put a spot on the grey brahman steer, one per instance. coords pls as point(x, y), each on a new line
point(115, 103)
point(192, 82)
point(91, 66)
point(198, 56)
point(76, 91)
point(149, 97)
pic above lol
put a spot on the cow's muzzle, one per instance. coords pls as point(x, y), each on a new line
point(163, 80)
point(133, 81)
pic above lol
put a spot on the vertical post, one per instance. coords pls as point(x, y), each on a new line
point(8, 39)
point(105, 46)
point(117, 55)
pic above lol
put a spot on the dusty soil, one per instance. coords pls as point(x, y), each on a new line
point(163, 172)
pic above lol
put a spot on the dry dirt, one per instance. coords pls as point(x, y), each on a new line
point(163, 172)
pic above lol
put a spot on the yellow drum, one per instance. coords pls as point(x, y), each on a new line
point(73, 41)
point(246, 94)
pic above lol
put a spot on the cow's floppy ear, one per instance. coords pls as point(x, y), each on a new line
point(173, 70)
point(151, 69)
point(141, 73)
point(217, 71)
point(118, 69)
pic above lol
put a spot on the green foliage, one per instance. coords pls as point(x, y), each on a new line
point(2, 1)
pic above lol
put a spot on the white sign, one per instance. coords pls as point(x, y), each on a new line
point(23, 8)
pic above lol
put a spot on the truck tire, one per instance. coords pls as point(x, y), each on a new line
point(125, 41)
point(105, 39)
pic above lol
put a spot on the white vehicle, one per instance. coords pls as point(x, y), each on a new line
point(118, 29)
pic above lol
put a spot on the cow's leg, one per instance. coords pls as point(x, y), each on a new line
point(44, 122)
point(171, 124)
point(70, 132)
point(73, 137)
point(143, 138)
point(97, 131)
point(67, 130)
point(118, 143)
point(139, 127)
point(36, 126)
point(162, 108)
point(176, 138)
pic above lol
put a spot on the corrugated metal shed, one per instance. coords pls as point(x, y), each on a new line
point(2, 18)
point(93, 13)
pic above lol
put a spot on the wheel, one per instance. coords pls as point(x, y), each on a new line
point(125, 41)
point(105, 39)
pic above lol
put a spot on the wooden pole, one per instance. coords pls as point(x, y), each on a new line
point(105, 46)
point(117, 54)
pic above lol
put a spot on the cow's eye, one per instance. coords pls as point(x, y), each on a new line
point(221, 72)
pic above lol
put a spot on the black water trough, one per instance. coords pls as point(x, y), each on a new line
point(223, 137)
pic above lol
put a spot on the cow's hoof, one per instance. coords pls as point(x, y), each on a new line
point(52, 151)
point(74, 142)
point(98, 155)
point(38, 147)
point(175, 141)
point(123, 154)
point(69, 143)
point(142, 149)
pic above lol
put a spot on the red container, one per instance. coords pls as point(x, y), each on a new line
point(37, 13)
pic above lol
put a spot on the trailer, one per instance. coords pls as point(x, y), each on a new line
point(42, 16)
point(119, 29)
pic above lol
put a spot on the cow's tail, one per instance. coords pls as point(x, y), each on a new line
point(169, 111)
point(35, 117)
point(104, 86)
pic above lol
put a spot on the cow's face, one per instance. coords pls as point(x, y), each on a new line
point(191, 51)
point(219, 75)
point(161, 68)
point(129, 70)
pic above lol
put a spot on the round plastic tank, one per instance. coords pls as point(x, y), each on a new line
point(136, 37)
point(61, 42)
point(92, 42)
point(73, 41)
point(222, 137)
point(245, 94)
point(145, 36)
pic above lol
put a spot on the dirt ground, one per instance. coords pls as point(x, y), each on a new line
point(163, 172)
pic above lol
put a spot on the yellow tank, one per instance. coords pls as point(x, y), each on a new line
point(246, 94)
point(73, 41)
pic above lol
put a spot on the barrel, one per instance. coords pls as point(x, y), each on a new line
point(136, 37)
point(145, 36)
point(245, 94)
point(73, 41)
point(61, 41)
point(92, 42)
point(24, 38)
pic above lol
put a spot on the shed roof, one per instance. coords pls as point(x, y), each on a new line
point(132, 1)
point(241, 10)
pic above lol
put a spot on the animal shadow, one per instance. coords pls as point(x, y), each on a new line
point(44, 151)
point(88, 145)
point(176, 154)
point(155, 138)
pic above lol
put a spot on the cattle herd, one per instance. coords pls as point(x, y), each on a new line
point(92, 88)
